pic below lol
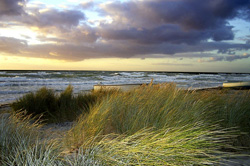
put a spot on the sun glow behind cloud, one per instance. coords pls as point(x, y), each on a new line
point(20, 32)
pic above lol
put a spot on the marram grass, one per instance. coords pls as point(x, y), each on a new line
point(61, 107)
point(20, 141)
point(152, 125)
point(195, 144)
point(161, 108)
point(164, 106)
point(187, 145)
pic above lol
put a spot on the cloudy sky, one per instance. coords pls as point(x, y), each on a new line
point(144, 35)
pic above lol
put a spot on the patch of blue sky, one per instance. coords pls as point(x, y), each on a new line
point(241, 28)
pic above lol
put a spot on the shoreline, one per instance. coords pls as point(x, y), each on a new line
point(155, 71)
point(15, 84)
point(216, 88)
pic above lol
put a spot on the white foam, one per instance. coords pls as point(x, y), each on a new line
point(17, 83)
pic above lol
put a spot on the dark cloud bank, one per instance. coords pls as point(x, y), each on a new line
point(138, 28)
point(11, 7)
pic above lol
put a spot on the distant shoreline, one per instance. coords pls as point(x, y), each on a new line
point(15, 83)
point(185, 72)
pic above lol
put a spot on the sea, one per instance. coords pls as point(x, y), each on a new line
point(15, 84)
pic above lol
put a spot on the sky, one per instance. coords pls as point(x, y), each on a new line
point(125, 35)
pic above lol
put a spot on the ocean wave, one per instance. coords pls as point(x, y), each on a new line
point(14, 92)
point(17, 83)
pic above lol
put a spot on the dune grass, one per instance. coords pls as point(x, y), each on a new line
point(187, 145)
point(53, 107)
point(21, 142)
point(151, 125)
point(165, 106)
point(57, 107)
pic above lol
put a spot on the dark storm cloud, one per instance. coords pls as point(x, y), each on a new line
point(82, 34)
point(11, 7)
point(54, 17)
point(75, 35)
point(11, 45)
point(229, 58)
point(78, 52)
point(138, 29)
point(236, 57)
point(41, 16)
point(180, 21)
point(170, 27)
point(169, 33)
point(180, 55)
point(246, 13)
point(66, 25)
point(189, 14)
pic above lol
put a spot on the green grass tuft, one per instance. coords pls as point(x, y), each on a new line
point(58, 107)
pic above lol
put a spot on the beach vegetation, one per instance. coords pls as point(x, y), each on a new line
point(54, 107)
point(20, 141)
point(24, 142)
point(165, 106)
point(151, 125)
